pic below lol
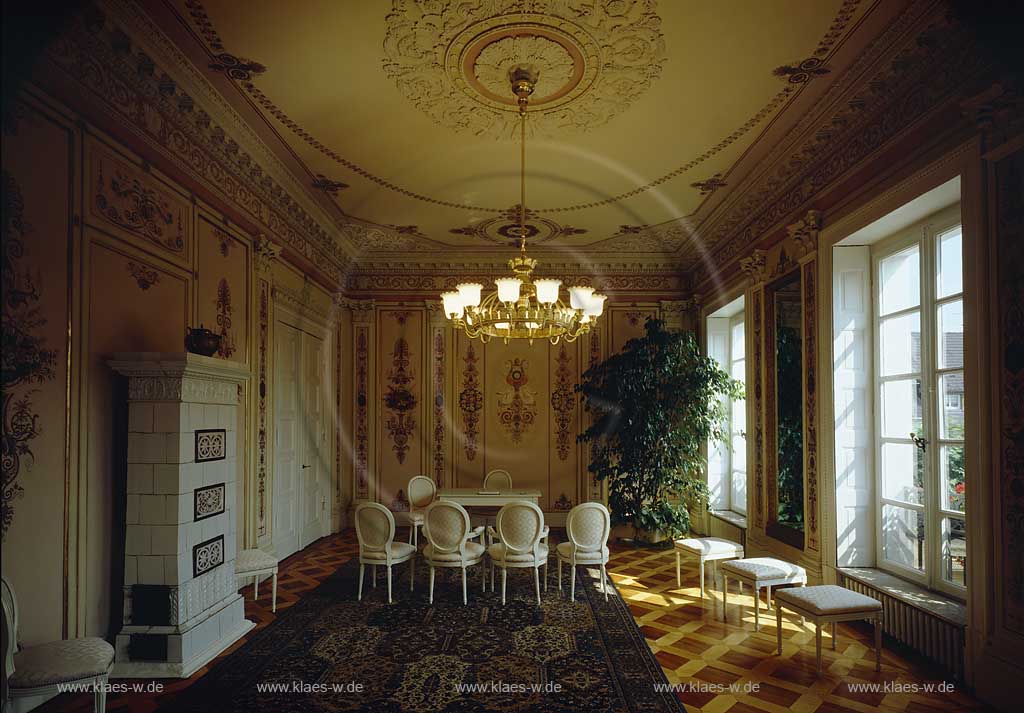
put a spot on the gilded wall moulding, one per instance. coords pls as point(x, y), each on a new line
point(755, 266)
point(264, 253)
point(804, 232)
point(451, 60)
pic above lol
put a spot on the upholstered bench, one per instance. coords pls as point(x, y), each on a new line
point(706, 549)
point(253, 563)
point(830, 603)
point(760, 572)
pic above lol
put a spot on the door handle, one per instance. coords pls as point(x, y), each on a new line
point(304, 467)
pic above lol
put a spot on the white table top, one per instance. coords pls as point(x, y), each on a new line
point(479, 496)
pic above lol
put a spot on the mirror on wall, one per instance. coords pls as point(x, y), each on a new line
point(787, 520)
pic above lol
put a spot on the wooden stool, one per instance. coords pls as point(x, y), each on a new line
point(706, 549)
point(830, 603)
point(253, 563)
point(760, 572)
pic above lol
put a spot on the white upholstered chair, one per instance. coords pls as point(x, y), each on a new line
point(375, 529)
point(587, 526)
point(421, 491)
point(520, 528)
point(257, 563)
point(34, 673)
point(450, 544)
point(498, 479)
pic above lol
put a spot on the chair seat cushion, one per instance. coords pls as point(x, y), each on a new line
point(826, 599)
point(399, 550)
point(710, 546)
point(61, 661)
point(564, 550)
point(766, 569)
point(499, 554)
point(474, 551)
point(253, 560)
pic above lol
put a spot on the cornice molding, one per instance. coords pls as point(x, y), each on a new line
point(300, 301)
point(804, 233)
point(265, 253)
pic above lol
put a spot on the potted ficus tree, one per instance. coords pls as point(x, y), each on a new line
point(655, 405)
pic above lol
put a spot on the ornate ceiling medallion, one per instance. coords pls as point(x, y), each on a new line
point(598, 58)
point(505, 230)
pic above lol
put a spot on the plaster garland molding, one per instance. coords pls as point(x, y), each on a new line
point(265, 253)
point(755, 266)
point(188, 389)
point(804, 233)
point(300, 301)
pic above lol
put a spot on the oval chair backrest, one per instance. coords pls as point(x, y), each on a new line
point(10, 624)
point(421, 490)
point(520, 526)
point(446, 525)
point(498, 479)
point(375, 527)
point(588, 526)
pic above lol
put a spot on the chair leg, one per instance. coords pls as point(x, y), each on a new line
point(545, 576)
point(412, 529)
point(725, 595)
point(416, 536)
point(817, 644)
point(273, 596)
point(431, 584)
point(412, 571)
point(536, 582)
point(714, 573)
point(833, 636)
point(679, 572)
point(768, 597)
point(483, 576)
point(778, 628)
point(389, 584)
point(374, 568)
point(99, 696)
point(559, 575)
point(362, 569)
point(604, 582)
point(504, 575)
point(878, 643)
point(572, 582)
point(702, 578)
point(465, 597)
point(255, 587)
point(757, 608)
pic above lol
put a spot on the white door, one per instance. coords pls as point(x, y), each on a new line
point(315, 465)
point(288, 439)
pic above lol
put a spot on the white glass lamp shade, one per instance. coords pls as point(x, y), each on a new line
point(452, 304)
point(595, 306)
point(547, 290)
point(579, 297)
point(469, 292)
point(508, 288)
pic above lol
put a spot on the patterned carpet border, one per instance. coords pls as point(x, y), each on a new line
point(411, 656)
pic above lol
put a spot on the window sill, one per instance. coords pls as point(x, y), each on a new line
point(733, 518)
point(939, 605)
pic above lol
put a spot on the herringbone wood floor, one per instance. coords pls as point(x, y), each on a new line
point(717, 665)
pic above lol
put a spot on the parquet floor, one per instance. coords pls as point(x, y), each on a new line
point(718, 667)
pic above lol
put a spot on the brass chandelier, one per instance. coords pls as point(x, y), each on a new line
point(522, 307)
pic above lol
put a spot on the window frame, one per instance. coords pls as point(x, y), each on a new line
point(925, 235)
point(727, 362)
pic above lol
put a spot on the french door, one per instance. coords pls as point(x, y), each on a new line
point(919, 414)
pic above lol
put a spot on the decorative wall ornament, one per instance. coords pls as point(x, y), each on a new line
point(802, 72)
point(375, 238)
point(362, 426)
point(471, 401)
point(563, 504)
point(237, 68)
point(439, 410)
point(811, 401)
point(399, 503)
point(264, 253)
point(400, 399)
point(755, 266)
point(633, 317)
point(504, 228)
point(224, 241)
point(207, 555)
point(143, 276)
point(223, 304)
point(563, 403)
point(261, 408)
point(804, 232)
point(26, 359)
point(211, 444)
point(208, 501)
point(517, 404)
point(758, 312)
point(331, 188)
point(130, 205)
point(710, 185)
point(452, 61)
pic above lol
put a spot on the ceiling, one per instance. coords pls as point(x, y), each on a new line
point(397, 116)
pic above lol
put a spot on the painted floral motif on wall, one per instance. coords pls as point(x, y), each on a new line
point(400, 400)
point(26, 359)
point(471, 400)
point(362, 428)
point(517, 404)
point(439, 407)
point(223, 303)
point(143, 276)
point(562, 403)
point(125, 202)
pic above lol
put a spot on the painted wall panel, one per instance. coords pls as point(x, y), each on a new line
point(402, 402)
point(222, 288)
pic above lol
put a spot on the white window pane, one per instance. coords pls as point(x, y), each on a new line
point(951, 404)
point(901, 408)
point(950, 271)
point(951, 335)
point(903, 537)
point(739, 491)
point(954, 550)
point(739, 370)
point(736, 341)
point(900, 280)
point(739, 453)
point(901, 344)
point(951, 462)
point(902, 469)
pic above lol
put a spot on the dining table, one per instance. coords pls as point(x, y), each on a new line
point(480, 497)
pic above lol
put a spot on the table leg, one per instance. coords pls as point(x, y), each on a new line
point(757, 607)
point(725, 595)
point(778, 628)
point(679, 572)
point(817, 644)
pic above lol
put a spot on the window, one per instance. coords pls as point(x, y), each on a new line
point(727, 463)
point(919, 404)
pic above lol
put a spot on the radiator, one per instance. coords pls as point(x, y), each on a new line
point(933, 637)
